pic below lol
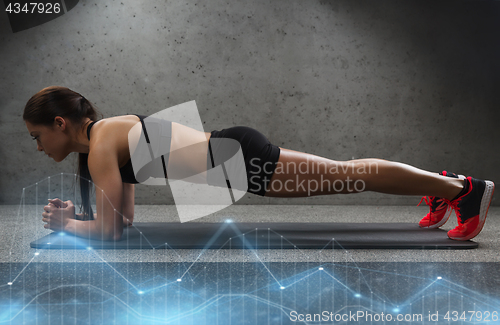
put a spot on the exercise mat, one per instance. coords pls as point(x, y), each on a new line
point(198, 235)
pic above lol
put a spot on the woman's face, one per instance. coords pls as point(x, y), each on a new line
point(51, 140)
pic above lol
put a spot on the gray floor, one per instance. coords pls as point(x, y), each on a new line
point(21, 225)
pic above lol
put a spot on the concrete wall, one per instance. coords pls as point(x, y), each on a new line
point(411, 81)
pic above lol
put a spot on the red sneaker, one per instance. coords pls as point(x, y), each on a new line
point(439, 210)
point(471, 208)
point(439, 214)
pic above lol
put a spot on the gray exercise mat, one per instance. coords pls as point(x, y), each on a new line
point(197, 235)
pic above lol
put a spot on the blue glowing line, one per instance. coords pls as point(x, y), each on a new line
point(472, 296)
point(238, 232)
point(209, 243)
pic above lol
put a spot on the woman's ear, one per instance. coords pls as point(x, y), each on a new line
point(60, 123)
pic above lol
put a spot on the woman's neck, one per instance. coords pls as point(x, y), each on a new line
point(80, 142)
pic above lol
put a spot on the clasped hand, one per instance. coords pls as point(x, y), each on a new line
point(57, 214)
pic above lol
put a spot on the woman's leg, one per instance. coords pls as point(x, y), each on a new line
point(299, 174)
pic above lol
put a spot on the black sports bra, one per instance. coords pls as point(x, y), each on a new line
point(126, 172)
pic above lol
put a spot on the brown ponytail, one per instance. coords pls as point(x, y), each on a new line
point(54, 101)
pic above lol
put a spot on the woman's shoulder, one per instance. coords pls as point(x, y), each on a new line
point(110, 135)
point(122, 118)
point(112, 125)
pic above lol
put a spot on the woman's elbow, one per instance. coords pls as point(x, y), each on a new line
point(127, 222)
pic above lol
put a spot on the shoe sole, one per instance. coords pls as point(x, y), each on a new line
point(443, 221)
point(483, 210)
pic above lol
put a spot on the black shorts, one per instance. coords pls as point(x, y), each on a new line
point(259, 154)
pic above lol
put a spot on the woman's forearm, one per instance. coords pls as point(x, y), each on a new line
point(90, 229)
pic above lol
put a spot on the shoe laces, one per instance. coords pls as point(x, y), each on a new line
point(454, 205)
point(431, 201)
point(428, 200)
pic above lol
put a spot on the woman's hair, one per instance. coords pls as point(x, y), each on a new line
point(54, 101)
